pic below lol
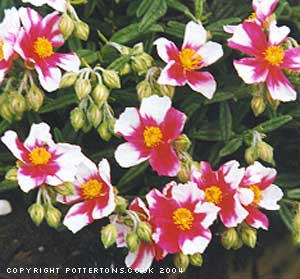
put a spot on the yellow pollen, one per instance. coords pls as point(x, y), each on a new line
point(1, 49)
point(213, 194)
point(183, 218)
point(152, 136)
point(190, 59)
point(251, 17)
point(91, 189)
point(257, 193)
point(274, 55)
point(43, 47)
point(39, 156)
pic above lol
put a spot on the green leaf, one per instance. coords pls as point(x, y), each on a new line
point(288, 180)
point(59, 103)
point(176, 5)
point(175, 28)
point(119, 62)
point(90, 56)
point(286, 216)
point(3, 126)
point(6, 186)
point(199, 8)
point(232, 146)
point(207, 135)
point(219, 97)
point(293, 194)
point(273, 124)
point(143, 7)
point(58, 136)
point(225, 121)
point(217, 26)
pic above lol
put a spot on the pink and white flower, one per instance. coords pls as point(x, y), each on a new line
point(142, 259)
point(181, 219)
point(59, 5)
point(259, 180)
point(221, 188)
point(150, 132)
point(41, 161)
point(268, 58)
point(94, 196)
point(9, 31)
point(36, 42)
point(195, 54)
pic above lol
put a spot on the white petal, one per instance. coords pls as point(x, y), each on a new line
point(29, 17)
point(128, 121)
point(140, 260)
point(232, 173)
point(49, 79)
point(210, 53)
point(246, 196)
point(187, 192)
point(166, 49)
point(28, 183)
point(104, 171)
point(59, 5)
point(127, 155)
point(271, 195)
point(101, 212)
point(10, 139)
point(195, 35)
point(5, 207)
point(277, 34)
point(39, 133)
point(196, 245)
point(211, 212)
point(229, 28)
point(70, 62)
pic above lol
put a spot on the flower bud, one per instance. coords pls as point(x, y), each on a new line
point(138, 49)
point(132, 241)
point(258, 105)
point(77, 118)
point(196, 259)
point(265, 152)
point(37, 213)
point(121, 204)
point(141, 63)
point(184, 172)
point(125, 69)
point(238, 244)
point(111, 125)
point(143, 89)
point(6, 112)
point(94, 115)
point(249, 236)
point(144, 231)
point(273, 103)
point(65, 189)
point(128, 222)
point(108, 235)
point(103, 131)
point(17, 103)
point(53, 216)
point(11, 175)
point(182, 143)
point(83, 88)
point(229, 238)
point(167, 90)
point(181, 261)
point(66, 26)
point(68, 79)
point(100, 94)
point(111, 79)
point(250, 155)
point(82, 30)
point(35, 98)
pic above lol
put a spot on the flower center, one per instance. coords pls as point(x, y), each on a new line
point(251, 17)
point(274, 55)
point(1, 49)
point(152, 136)
point(39, 156)
point(43, 47)
point(190, 59)
point(213, 194)
point(183, 218)
point(257, 193)
point(91, 189)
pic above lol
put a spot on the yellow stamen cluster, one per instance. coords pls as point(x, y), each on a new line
point(39, 156)
point(43, 47)
point(257, 193)
point(152, 136)
point(1, 49)
point(274, 55)
point(91, 189)
point(183, 219)
point(213, 194)
point(190, 59)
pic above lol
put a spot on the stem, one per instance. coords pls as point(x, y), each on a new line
point(23, 83)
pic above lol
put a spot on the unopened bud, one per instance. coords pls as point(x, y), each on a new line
point(6, 112)
point(68, 79)
point(108, 235)
point(17, 103)
point(37, 213)
point(94, 115)
point(238, 244)
point(100, 94)
point(53, 216)
point(258, 105)
point(265, 152)
point(77, 118)
point(111, 79)
point(121, 204)
point(141, 63)
point(82, 30)
point(132, 241)
point(103, 131)
point(273, 103)
point(35, 98)
point(11, 175)
point(181, 261)
point(229, 238)
point(138, 49)
point(250, 155)
point(66, 26)
point(249, 236)
point(83, 88)
point(196, 259)
point(167, 90)
point(182, 143)
point(144, 231)
point(125, 69)
point(184, 172)
point(143, 89)
point(128, 222)
point(65, 189)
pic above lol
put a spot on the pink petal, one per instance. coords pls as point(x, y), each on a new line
point(128, 122)
point(264, 8)
point(188, 192)
point(195, 36)
point(29, 178)
point(166, 50)
point(67, 61)
point(210, 53)
point(104, 206)
point(29, 18)
point(50, 27)
point(271, 195)
point(256, 219)
point(172, 74)
point(231, 174)
point(277, 34)
point(4, 68)
point(202, 82)
point(251, 70)
point(292, 59)
point(39, 134)
point(138, 205)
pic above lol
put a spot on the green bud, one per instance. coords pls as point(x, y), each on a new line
point(125, 69)
point(83, 88)
point(258, 105)
point(111, 125)
point(132, 241)
point(82, 30)
point(124, 50)
point(68, 79)
point(181, 261)
point(143, 89)
point(103, 131)
point(265, 152)
point(35, 98)
point(249, 236)
point(108, 235)
point(66, 26)
point(11, 175)
point(229, 238)
point(296, 226)
point(238, 244)
point(141, 63)
point(128, 222)
point(167, 90)
point(182, 143)
point(65, 189)
point(184, 172)
point(37, 213)
point(138, 49)
point(77, 118)
point(100, 94)
point(53, 216)
point(144, 231)
point(111, 79)
point(196, 259)
point(250, 155)
point(273, 103)
point(94, 115)
point(17, 103)
point(121, 204)
point(6, 112)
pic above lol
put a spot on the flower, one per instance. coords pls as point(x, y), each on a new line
point(181, 218)
point(268, 59)
point(59, 5)
point(5, 207)
point(195, 54)
point(259, 180)
point(141, 259)
point(93, 198)
point(221, 189)
point(41, 161)
point(150, 132)
point(9, 30)
point(36, 42)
